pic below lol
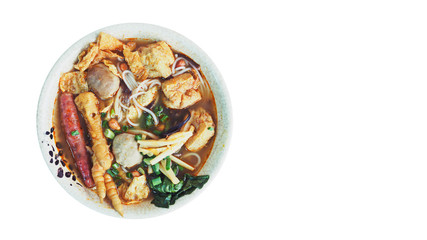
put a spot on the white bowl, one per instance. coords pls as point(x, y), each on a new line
point(65, 64)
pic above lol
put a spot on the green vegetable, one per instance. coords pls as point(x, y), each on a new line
point(210, 128)
point(116, 165)
point(157, 132)
point(103, 114)
point(112, 113)
point(109, 171)
point(156, 168)
point(164, 118)
point(147, 160)
point(105, 124)
point(109, 134)
point(125, 128)
point(138, 137)
point(140, 170)
point(156, 181)
point(168, 163)
point(74, 133)
point(129, 175)
point(158, 110)
point(164, 198)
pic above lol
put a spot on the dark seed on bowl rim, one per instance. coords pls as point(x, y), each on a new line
point(56, 162)
point(68, 174)
point(60, 172)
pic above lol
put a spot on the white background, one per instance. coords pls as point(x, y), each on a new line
point(329, 105)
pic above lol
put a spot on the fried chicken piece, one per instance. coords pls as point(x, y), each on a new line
point(87, 104)
point(112, 193)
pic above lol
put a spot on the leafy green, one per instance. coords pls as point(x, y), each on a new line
point(167, 193)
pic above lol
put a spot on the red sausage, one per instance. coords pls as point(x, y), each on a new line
point(75, 138)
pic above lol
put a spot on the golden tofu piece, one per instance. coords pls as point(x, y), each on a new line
point(86, 60)
point(104, 55)
point(137, 190)
point(135, 63)
point(108, 42)
point(205, 129)
point(181, 91)
point(73, 82)
point(157, 58)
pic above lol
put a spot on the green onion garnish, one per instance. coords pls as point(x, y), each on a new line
point(156, 168)
point(112, 113)
point(129, 175)
point(74, 133)
point(156, 181)
point(168, 163)
point(210, 128)
point(147, 160)
point(109, 134)
point(125, 128)
point(111, 173)
point(104, 124)
point(157, 132)
point(103, 114)
point(140, 170)
point(164, 118)
point(138, 137)
point(116, 165)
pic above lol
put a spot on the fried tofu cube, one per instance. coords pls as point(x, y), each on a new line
point(205, 129)
point(181, 91)
point(137, 190)
point(86, 60)
point(73, 82)
point(157, 58)
point(108, 42)
point(135, 63)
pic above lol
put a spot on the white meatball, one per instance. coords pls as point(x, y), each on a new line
point(125, 149)
point(102, 82)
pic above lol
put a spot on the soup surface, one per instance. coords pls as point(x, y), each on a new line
point(136, 121)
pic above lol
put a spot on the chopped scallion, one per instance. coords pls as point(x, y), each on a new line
point(156, 168)
point(168, 163)
point(103, 114)
point(125, 128)
point(164, 118)
point(109, 134)
point(116, 165)
point(140, 170)
point(129, 175)
point(156, 181)
point(112, 113)
point(210, 128)
point(138, 137)
point(105, 124)
point(74, 133)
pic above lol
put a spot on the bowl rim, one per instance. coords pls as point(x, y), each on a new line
point(217, 79)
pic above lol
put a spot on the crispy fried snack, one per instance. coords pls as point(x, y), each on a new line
point(112, 193)
point(87, 104)
point(73, 82)
point(98, 178)
point(84, 61)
